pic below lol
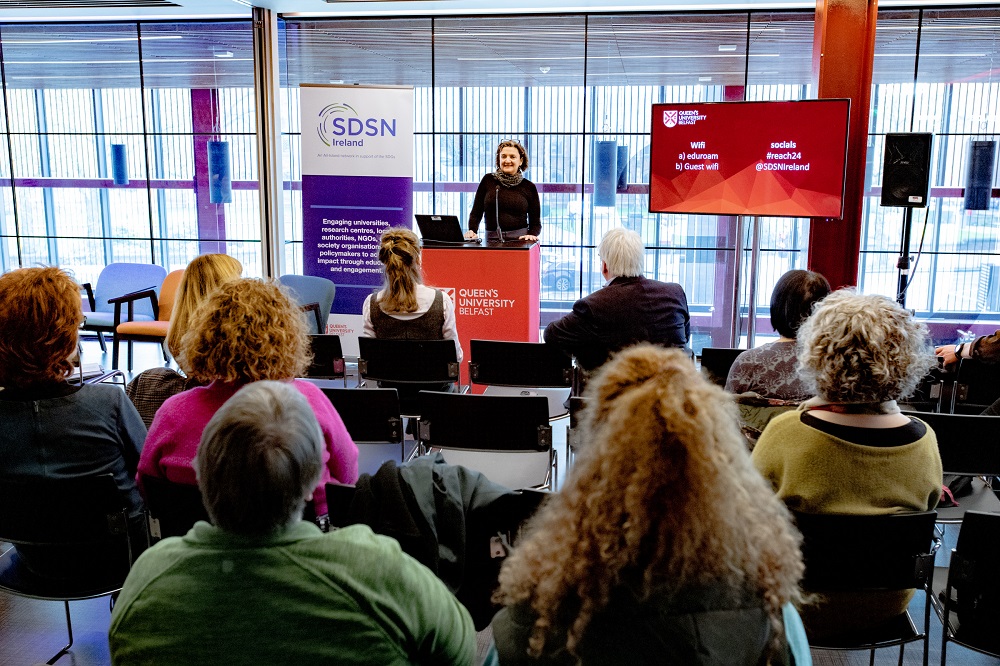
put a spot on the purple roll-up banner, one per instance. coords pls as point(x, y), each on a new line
point(357, 180)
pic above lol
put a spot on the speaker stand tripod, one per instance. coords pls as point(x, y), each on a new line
point(903, 263)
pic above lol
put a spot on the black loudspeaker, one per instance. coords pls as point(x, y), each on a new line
point(906, 170)
point(979, 177)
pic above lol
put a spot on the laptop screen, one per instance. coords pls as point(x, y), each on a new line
point(440, 228)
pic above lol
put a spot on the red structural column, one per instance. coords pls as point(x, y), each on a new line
point(843, 51)
point(205, 125)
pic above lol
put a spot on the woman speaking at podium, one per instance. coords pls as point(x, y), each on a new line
point(508, 197)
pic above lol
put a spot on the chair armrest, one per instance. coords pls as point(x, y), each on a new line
point(131, 298)
point(314, 308)
point(90, 296)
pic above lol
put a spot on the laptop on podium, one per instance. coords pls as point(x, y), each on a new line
point(440, 230)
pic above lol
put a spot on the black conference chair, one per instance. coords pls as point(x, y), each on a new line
point(375, 423)
point(576, 405)
point(869, 553)
point(173, 508)
point(490, 530)
point(408, 366)
point(716, 362)
point(971, 608)
point(507, 438)
point(977, 386)
point(969, 446)
point(79, 528)
point(509, 368)
point(328, 358)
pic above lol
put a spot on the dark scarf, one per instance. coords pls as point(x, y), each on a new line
point(508, 179)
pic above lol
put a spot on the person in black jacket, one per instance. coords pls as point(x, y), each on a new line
point(629, 309)
point(506, 194)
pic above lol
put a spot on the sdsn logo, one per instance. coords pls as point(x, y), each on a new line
point(340, 119)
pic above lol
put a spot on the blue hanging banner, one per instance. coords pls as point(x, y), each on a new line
point(119, 164)
point(605, 173)
point(220, 174)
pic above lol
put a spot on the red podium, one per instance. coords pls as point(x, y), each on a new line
point(495, 290)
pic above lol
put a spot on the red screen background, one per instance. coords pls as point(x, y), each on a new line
point(745, 180)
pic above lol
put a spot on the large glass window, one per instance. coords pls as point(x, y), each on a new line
point(86, 102)
point(934, 72)
point(560, 84)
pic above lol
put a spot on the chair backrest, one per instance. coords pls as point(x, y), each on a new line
point(716, 362)
point(62, 511)
point(407, 361)
point(503, 363)
point(887, 552)
point(969, 444)
point(338, 503)
point(311, 289)
point(328, 357)
point(977, 385)
point(174, 507)
point(370, 415)
point(168, 293)
point(484, 422)
point(120, 279)
point(973, 572)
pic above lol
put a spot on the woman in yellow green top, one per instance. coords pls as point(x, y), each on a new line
point(849, 450)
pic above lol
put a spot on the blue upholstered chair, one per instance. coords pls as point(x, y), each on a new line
point(308, 289)
point(115, 281)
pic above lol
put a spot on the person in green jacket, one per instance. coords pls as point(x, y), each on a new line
point(259, 585)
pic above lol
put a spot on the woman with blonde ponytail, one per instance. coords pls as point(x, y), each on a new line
point(405, 308)
point(665, 546)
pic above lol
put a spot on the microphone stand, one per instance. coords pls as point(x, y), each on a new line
point(496, 202)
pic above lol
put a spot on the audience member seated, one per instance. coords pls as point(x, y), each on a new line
point(405, 308)
point(202, 276)
point(985, 348)
point(665, 546)
point(259, 585)
point(627, 310)
point(50, 429)
point(771, 370)
point(247, 330)
point(849, 450)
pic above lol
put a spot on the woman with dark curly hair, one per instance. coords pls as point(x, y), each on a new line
point(508, 200)
point(665, 546)
point(49, 428)
point(247, 330)
point(849, 450)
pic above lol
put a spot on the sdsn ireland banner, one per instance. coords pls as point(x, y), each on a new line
point(357, 180)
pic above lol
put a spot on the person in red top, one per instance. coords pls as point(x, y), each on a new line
point(247, 331)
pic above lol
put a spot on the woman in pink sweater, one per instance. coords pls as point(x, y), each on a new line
point(247, 331)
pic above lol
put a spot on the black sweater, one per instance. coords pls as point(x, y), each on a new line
point(518, 205)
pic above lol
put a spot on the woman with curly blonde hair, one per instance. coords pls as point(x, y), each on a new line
point(202, 276)
point(665, 546)
point(849, 450)
point(248, 330)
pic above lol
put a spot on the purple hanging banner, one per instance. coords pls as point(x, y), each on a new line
point(357, 180)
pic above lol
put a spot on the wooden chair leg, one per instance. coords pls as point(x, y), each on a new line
point(114, 350)
point(129, 356)
point(100, 339)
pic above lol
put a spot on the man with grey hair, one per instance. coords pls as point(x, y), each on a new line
point(629, 309)
point(260, 585)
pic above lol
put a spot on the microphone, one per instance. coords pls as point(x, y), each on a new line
point(496, 202)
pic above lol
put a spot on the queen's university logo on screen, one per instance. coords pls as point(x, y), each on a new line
point(340, 125)
point(669, 118)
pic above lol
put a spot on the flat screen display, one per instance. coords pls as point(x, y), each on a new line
point(783, 159)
